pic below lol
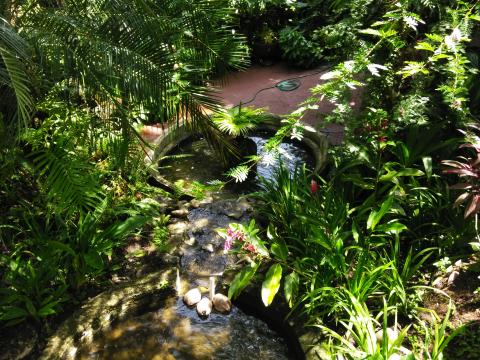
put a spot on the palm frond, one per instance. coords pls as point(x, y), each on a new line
point(17, 102)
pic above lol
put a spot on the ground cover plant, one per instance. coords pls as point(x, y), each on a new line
point(353, 248)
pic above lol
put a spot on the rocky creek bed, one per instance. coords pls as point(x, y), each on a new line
point(147, 319)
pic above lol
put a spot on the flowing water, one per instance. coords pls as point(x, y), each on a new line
point(176, 332)
point(194, 160)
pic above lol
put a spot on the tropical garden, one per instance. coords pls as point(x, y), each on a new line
point(377, 254)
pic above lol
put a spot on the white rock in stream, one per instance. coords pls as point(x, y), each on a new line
point(221, 303)
point(192, 297)
point(204, 307)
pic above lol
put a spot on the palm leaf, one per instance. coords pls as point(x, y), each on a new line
point(17, 102)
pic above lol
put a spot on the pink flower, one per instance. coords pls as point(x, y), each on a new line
point(228, 244)
point(250, 247)
point(313, 186)
point(232, 236)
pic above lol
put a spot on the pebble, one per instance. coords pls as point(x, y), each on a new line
point(208, 247)
point(191, 241)
point(392, 335)
point(192, 297)
point(221, 303)
point(453, 276)
point(180, 213)
point(204, 307)
point(438, 283)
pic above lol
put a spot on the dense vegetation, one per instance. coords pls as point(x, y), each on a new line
point(77, 80)
point(356, 246)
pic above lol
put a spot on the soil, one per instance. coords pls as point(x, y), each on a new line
point(466, 311)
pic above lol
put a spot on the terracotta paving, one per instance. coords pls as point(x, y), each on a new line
point(242, 87)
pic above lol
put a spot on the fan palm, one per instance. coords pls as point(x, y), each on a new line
point(15, 87)
point(139, 54)
point(154, 56)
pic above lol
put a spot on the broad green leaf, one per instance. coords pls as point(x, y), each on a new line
point(388, 33)
point(355, 233)
point(425, 46)
point(394, 227)
point(435, 37)
point(370, 32)
point(375, 216)
point(241, 280)
point(427, 164)
point(410, 172)
point(413, 67)
point(259, 245)
point(271, 284)
point(13, 312)
point(291, 287)
point(475, 246)
point(47, 309)
point(279, 248)
point(30, 307)
point(389, 176)
point(61, 246)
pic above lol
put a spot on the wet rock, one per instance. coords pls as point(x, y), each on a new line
point(221, 303)
point(190, 241)
point(198, 203)
point(208, 247)
point(202, 263)
point(180, 213)
point(458, 263)
point(204, 307)
point(453, 276)
point(192, 297)
point(181, 203)
point(438, 283)
point(449, 270)
point(391, 334)
point(178, 228)
point(166, 204)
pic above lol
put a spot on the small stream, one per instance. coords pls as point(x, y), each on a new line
point(199, 162)
point(176, 332)
point(172, 330)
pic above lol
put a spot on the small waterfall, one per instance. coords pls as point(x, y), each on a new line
point(178, 283)
point(212, 287)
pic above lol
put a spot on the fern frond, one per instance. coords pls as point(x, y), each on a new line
point(239, 173)
point(67, 180)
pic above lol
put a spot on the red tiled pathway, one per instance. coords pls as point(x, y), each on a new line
point(242, 87)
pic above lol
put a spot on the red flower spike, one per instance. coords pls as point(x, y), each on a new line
point(313, 186)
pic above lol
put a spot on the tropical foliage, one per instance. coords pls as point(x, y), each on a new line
point(351, 250)
point(351, 246)
point(77, 79)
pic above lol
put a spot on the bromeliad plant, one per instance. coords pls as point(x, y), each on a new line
point(468, 170)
